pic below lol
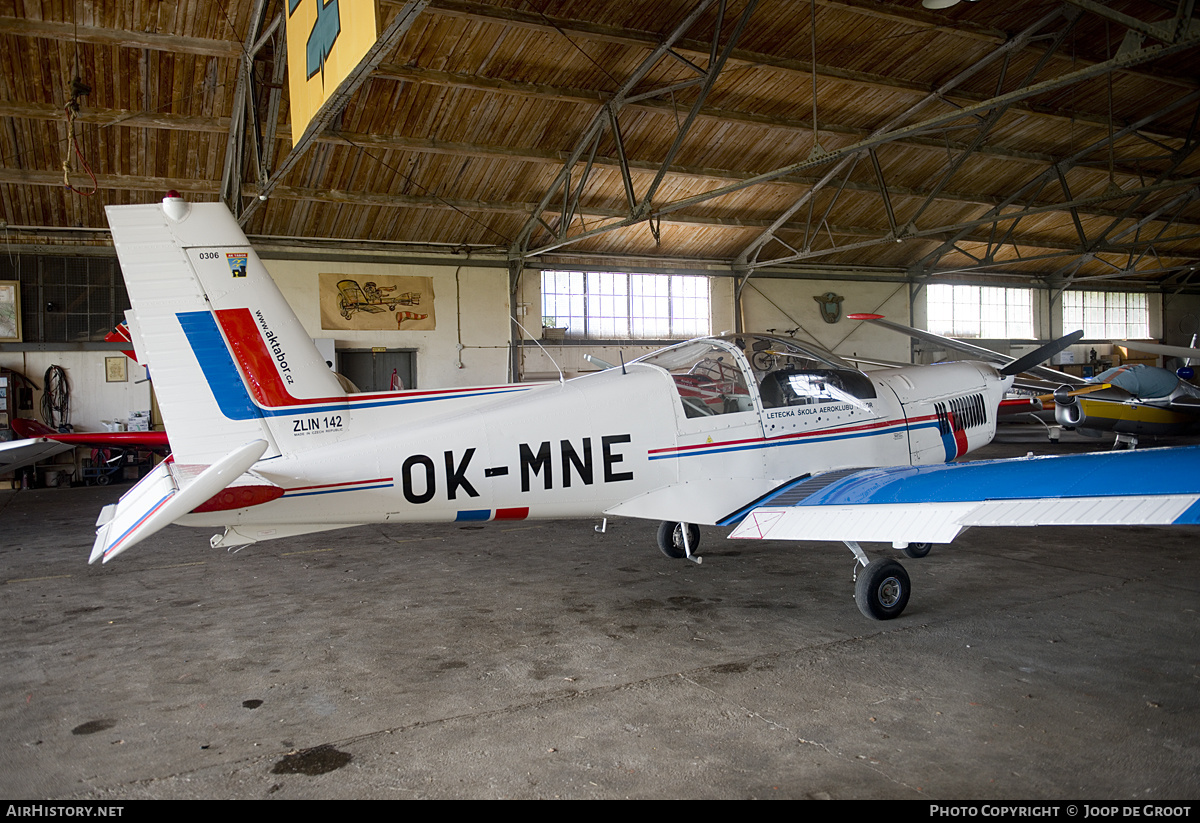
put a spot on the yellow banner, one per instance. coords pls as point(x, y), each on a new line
point(326, 40)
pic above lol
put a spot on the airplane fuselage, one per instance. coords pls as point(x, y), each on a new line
point(598, 444)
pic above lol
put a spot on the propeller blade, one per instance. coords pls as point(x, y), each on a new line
point(1041, 354)
point(1064, 393)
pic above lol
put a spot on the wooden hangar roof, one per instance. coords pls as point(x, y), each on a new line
point(1000, 139)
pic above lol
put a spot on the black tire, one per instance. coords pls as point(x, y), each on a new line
point(763, 361)
point(882, 588)
point(670, 539)
point(103, 479)
point(916, 550)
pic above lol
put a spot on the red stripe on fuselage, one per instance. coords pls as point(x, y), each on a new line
point(960, 436)
point(266, 385)
point(796, 436)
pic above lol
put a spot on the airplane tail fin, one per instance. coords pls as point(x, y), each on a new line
point(227, 356)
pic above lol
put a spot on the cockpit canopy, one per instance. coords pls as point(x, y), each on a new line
point(712, 378)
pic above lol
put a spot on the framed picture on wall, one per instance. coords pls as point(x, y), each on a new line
point(10, 311)
point(114, 370)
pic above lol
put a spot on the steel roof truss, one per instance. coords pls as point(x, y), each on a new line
point(607, 120)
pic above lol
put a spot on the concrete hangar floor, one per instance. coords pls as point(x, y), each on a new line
point(544, 660)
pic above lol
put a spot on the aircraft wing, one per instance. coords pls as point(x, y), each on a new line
point(101, 440)
point(978, 352)
point(932, 504)
point(1158, 348)
point(705, 502)
point(16, 454)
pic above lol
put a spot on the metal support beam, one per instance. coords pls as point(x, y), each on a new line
point(1033, 188)
point(333, 106)
point(607, 121)
point(231, 174)
point(515, 267)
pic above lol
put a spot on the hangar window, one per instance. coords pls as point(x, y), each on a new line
point(1121, 315)
point(989, 312)
point(603, 305)
point(67, 299)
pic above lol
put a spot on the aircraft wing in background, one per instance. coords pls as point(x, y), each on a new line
point(977, 352)
point(17, 454)
point(97, 440)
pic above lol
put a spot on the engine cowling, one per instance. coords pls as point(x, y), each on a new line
point(1068, 411)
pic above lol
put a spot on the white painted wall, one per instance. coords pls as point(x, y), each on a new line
point(92, 399)
point(766, 303)
point(470, 303)
point(1181, 318)
point(785, 304)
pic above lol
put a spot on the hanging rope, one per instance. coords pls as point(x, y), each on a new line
point(78, 89)
point(56, 399)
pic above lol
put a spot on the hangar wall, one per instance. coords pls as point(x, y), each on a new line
point(470, 342)
point(784, 304)
point(767, 303)
point(471, 309)
point(93, 399)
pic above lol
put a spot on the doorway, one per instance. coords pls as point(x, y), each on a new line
point(371, 369)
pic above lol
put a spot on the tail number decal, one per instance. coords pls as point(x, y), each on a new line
point(419, 473)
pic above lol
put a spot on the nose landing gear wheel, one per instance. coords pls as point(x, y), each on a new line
point(917, 549)
point(670, 539)
point(881, 589)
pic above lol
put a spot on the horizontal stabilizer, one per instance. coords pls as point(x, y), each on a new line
point(16, 454)
point(934, 503)
point(158, 500)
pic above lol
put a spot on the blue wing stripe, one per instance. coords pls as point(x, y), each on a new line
point(1107, 474)
point(1192, 515)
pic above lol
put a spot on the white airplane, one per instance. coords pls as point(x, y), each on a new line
point(740, 429)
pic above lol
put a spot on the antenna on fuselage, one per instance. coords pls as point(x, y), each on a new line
point(561, 378)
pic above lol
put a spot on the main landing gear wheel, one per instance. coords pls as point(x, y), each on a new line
point(881, 589)
point(916, 550)
point(670, 539)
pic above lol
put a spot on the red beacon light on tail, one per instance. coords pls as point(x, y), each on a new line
point(174, 206)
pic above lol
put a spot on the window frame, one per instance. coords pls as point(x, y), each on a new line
point(608, 305)
point(1108, 327)
point(1017, 321)
point(66, 300)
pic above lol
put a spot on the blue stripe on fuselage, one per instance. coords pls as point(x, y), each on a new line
point(225, 381)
